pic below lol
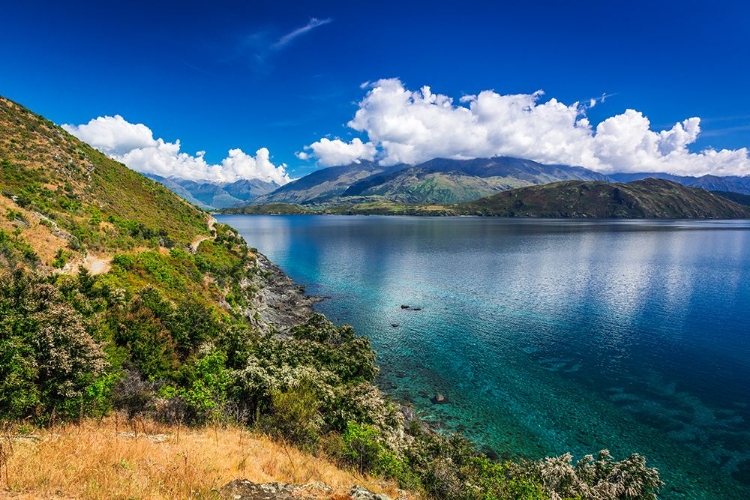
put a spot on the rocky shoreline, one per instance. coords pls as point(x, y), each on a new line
point(278, 303)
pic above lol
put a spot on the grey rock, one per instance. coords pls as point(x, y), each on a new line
point(242, 489)
point(361, 493)
point(439, 399)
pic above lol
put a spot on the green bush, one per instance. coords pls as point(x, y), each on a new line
point(49, 362)
point(294, 415)
point(61, 258)
point(205, 382)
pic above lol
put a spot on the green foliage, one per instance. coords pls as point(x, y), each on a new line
point(337, 348)
point(50, 362)
point(502, 481)
point(204, 389)
point(61, 258)
point(141, 330)
point(362, 447)
point(192, 323)
point(14, 249)
point(294, 415)
point(124, 261)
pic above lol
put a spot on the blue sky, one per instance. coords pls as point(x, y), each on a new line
point(286, 79)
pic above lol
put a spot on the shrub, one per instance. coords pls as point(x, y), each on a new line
point(49, 359)
point(600, 479)
point(61, 258)
point(294, 415)
point(206, 380)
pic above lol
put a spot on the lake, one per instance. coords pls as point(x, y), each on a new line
point(549, 336)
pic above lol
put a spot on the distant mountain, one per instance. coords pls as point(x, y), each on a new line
point(733, 184)
point(209, 195)
point(648, 198)
point(436, 181)
point(454, 181)
point(325, 184)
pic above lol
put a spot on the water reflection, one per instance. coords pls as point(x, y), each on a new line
point(549, 336)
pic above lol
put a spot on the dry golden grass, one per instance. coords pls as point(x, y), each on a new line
point(37, 235)
point(108, 460)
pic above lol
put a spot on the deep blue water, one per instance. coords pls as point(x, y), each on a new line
point(549, 336)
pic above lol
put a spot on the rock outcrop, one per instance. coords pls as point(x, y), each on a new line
point(280, 303)
point(242, 489)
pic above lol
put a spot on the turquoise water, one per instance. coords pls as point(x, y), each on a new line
point(549, 336)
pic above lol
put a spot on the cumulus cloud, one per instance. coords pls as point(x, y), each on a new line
point(135, 146)
point(337, 152)
point(415, 126)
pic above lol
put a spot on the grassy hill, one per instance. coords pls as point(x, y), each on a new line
point(648, 198)
point(64, 195)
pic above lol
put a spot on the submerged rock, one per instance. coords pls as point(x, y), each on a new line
point(439, 399)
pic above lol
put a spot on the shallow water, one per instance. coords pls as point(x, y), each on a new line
point(549, 336)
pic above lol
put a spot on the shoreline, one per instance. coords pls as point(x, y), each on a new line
point(280, 302)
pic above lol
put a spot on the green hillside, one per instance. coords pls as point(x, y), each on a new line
point(648, 198)
point(88, 201)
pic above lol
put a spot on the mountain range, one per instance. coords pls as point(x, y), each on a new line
point(210, 196)
point(439, 181)
point(436, 181)
point(728, 184)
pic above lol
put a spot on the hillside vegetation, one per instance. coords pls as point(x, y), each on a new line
point(190, 326)
point(82, 200)
point(648, 198)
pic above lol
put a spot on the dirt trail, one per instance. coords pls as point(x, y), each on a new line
point(100, 264)
point(96, 265)
point(197, 241)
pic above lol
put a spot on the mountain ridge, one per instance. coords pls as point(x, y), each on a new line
point(440, 180)
point(646, 198)
point(730, 183)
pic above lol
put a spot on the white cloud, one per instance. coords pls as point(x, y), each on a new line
point(135, 146)
point(113, 135)
point(415, 126)
point(337, 152)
